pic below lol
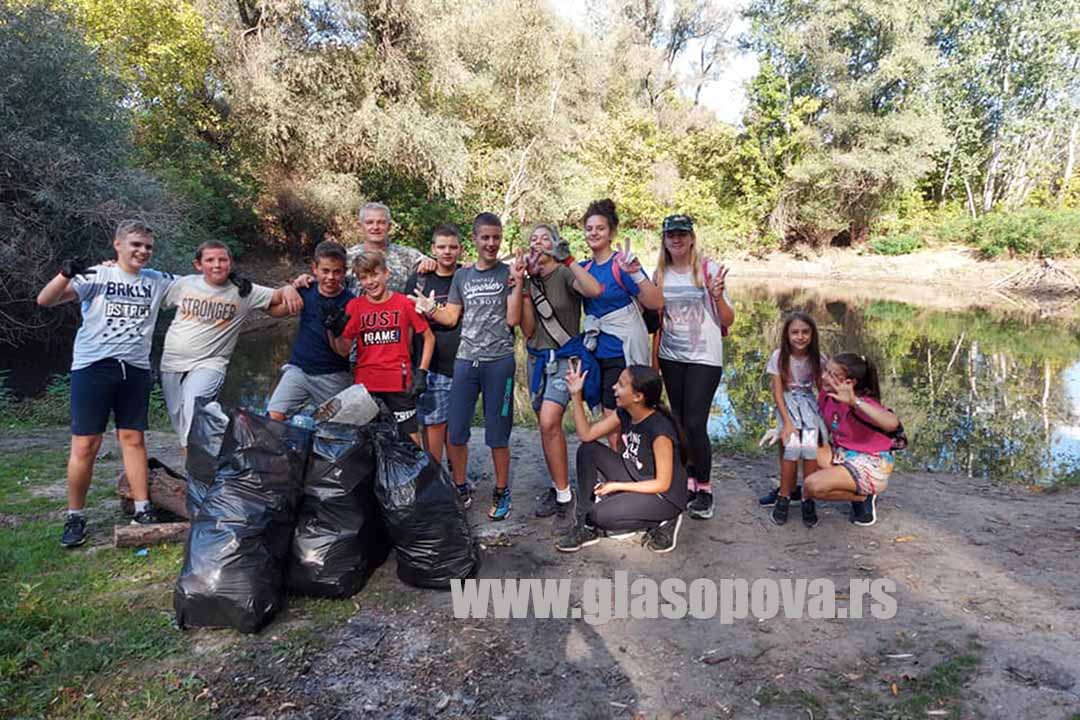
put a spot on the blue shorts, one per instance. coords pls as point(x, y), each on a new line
point(109, 387)
point(433, 407)
point(493, 378)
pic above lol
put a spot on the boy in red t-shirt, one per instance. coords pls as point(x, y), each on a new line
point(382, 322)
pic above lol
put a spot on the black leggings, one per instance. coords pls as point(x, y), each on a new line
point(690, 390)
point(621, 512)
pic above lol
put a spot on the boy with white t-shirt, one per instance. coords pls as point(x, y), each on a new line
point(110, 369)
point(210, 309)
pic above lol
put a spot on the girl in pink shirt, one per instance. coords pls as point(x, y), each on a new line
point(861, 459)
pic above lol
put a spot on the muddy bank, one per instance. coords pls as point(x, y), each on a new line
point(987, 623)
point(943, 278)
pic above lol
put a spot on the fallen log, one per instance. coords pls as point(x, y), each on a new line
point(143, 535)
point(168, 490)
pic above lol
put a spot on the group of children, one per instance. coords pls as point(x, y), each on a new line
point(429, 337)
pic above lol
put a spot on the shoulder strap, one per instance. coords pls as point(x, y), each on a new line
point(617, 273)
point(547, 315)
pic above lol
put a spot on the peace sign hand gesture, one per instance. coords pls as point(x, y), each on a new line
point(424, 305)
point(628, 262)
point(716, 285)
point(517, 268)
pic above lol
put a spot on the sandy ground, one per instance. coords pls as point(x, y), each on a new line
point(979, 568)
point(945, 278)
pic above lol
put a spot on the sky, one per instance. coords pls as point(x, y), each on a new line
point(725, 96)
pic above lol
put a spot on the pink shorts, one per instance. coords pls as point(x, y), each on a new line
point(870, 471)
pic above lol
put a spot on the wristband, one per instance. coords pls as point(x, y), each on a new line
point(639, 276)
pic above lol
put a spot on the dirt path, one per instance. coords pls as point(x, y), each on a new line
point(985, 575)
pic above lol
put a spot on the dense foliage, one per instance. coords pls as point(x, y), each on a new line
point(267, 123)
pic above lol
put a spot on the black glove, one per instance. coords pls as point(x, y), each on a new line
point(419, 383)
point(334, 318)
point(241, 282)
point(73, 267)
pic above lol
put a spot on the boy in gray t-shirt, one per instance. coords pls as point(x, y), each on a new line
point(487, 299)
point(110, 370)
point(210, 310)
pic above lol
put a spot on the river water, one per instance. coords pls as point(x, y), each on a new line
point(983, 393)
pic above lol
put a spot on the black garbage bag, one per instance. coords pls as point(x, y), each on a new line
point(235, 558)
point(208, 427)
point(423, 514)
point(339, 538)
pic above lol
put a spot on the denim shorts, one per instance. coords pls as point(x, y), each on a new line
point(495, 380)
point(553, 385)
point(433, 407)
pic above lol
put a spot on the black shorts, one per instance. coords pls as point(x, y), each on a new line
point(109, 387)
point(403, 406)
point(610, 370)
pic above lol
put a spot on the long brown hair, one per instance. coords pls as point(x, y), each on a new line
point(645, 380)
point(813, 349)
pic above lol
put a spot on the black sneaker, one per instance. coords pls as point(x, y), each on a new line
point(701, 507)
point(564, 517)
point(809, 513)
point(780, 510)
point(465, 493)
point(545, 504)
point(146, 517)
point(74, 531)
point(770, 499)
point(868, 516)
point(663, 537)
point(581, 536)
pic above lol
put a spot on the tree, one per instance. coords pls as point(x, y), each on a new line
point(869, 65)
point(66, 150)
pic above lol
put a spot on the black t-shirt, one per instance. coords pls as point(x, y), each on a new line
point(637, 455)
point(446, 339)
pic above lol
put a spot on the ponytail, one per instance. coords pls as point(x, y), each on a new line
point(862, 371)
point(645, 380)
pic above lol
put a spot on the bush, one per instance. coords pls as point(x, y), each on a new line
point(1027, 232)
point(895, 244)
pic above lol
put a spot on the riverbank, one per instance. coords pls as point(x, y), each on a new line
point(987, 621)
point(946, 278)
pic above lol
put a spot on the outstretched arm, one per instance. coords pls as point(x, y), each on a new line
point(586, 431)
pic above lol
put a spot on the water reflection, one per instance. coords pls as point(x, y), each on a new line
point(980, 393)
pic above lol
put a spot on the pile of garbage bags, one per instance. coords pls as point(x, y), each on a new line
point(280, 509)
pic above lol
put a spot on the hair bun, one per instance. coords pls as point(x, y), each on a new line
point(606, 208)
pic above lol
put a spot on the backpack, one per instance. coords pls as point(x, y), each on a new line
point(897, 436)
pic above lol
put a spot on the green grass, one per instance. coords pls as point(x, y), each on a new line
point(941, 689)
point(79, 630)
point(53, 407)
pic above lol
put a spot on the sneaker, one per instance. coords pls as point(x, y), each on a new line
point(465, 493)
point(770, 499)
point(702, 506)
point(856, 510)
point(869, 512)
point(580, 536)
point(809, 513)
point(500, 504)
point(564, 517)
point(780, 510)
point(146, 517)
point(663, 537)
point(545, 504)
point(74, 531)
